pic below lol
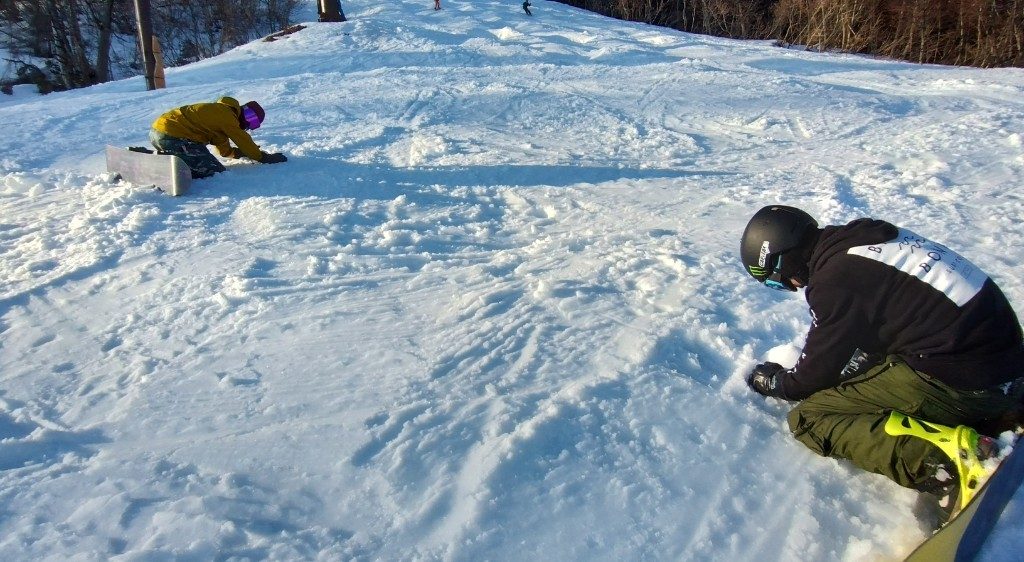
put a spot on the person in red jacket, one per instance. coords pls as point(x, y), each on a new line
point(906, 337)
point(186, 131)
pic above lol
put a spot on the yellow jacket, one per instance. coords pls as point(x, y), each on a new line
point(210, 123)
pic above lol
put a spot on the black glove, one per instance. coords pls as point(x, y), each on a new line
point(273, 158)
point(764, 379)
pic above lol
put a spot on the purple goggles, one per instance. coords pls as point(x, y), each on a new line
point(251, 118)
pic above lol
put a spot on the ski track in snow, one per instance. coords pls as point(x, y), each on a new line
point(490, 308)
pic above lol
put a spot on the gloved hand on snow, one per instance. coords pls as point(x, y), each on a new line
point(273, 158)
point(764, 379)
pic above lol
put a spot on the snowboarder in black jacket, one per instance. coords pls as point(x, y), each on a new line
point(526, 7)
point(907, 337)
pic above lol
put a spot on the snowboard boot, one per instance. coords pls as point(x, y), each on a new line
point(961, 471)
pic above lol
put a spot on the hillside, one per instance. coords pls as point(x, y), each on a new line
point(490, 309)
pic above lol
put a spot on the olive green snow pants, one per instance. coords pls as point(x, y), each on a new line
point(848, 421)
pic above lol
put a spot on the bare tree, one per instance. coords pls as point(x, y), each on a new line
point(76, 37)
point(103, 19)
point(972, 32)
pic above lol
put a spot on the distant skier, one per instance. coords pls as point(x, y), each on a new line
point(437, 4)
point(908, 342)
point(185, 131)
point(526, 7)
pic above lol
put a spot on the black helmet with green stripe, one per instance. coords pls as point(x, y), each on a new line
point(771, 232)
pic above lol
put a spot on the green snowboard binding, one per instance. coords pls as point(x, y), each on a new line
point(961, 444)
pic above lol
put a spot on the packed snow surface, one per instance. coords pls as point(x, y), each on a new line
point(490, 309)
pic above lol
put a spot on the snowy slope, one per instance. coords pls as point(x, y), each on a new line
point(491, 308)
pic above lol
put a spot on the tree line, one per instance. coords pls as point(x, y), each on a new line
point(983, 33)
point(62, 44)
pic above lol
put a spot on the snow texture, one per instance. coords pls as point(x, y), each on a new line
point(490, 309)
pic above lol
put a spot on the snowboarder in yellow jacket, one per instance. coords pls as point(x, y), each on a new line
point(185, 131)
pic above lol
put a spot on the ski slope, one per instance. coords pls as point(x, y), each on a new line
point(490, 309)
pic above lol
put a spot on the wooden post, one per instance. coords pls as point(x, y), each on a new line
point(330, 10)
point(158, 67)
point(146, 42)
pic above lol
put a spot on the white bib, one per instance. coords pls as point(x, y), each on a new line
point(945, 270)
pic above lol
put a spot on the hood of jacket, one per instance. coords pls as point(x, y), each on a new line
point(232, 103)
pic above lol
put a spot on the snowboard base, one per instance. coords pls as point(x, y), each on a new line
point(166, 172)
point(964, 535)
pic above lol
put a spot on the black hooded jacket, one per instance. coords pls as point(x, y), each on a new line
point(886, 290)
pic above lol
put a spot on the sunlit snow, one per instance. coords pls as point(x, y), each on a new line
point(490, 309)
